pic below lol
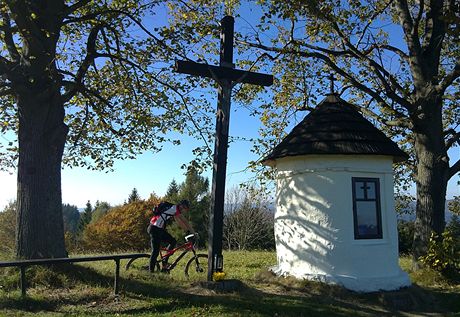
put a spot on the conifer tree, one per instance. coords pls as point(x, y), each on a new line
point(196, 190)
point(71, 218)
point(85, 217)
point(172, 193)
point(134, 196)
point(100, 209)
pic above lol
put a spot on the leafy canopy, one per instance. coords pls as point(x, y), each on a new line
point(114, 71)
point(390, 57)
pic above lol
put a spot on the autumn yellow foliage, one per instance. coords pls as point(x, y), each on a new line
point(123, 228)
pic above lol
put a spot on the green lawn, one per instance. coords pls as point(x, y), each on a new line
point(86, 290)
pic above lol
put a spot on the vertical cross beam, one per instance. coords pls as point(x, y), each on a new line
point(215, 263)
point(225, 74)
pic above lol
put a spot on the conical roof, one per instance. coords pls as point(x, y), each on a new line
point(336, 127)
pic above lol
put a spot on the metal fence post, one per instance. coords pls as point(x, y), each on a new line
point(117, 275)
point(22, 280)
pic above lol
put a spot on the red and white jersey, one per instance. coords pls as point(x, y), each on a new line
point(160, 220)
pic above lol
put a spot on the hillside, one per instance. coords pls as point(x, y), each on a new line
point(410, 213)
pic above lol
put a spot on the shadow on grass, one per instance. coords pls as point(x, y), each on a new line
point(299, 300)
point(47, 280)
point(142, 293)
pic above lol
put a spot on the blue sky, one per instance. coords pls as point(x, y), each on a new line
point(149, 172)
point(152, 172)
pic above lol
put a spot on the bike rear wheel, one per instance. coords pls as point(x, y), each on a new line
point(197, 267)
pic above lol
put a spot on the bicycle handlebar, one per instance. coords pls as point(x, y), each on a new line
point(191, 236)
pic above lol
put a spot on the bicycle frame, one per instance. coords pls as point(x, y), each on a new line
point(186, 247)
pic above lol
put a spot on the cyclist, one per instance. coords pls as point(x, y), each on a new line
point(158, 233)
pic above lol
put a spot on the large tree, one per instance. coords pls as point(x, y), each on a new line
point(82, 83)
point(398, 59)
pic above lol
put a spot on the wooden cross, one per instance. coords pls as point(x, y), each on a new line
point(225, 74)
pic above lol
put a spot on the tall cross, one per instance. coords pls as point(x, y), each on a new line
point(331, 79)
point(225, 74)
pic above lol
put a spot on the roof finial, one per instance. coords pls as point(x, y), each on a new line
point(332, 78)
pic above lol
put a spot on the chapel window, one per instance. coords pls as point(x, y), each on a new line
point(366, 208)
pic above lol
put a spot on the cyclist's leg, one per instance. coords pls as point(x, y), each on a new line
point(166, 237)
point(155, 241)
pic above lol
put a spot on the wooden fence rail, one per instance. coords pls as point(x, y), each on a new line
point(23, 264)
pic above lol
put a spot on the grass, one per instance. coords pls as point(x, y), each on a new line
point(87, 290)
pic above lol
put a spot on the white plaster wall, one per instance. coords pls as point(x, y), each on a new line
point(314, 229)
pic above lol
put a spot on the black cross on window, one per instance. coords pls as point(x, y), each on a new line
point(365, 188)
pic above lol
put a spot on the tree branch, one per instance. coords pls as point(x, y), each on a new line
point(91, 55)
point(390, 48)
point(454, 169)
point(74, 7)
point(454, 138)
point(132, 18)
point(417, 20)
point(334, 66)
point(449, 79)
point(83, 125)
point(29, 30)
point(378, 70)
point(412, 40)
point(186, 109)
point(8, 37)
point(435, 26)
point(371, 19)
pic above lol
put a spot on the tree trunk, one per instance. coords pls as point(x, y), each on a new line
point(431, 177)
point(42, 135)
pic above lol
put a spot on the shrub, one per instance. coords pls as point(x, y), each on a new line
point(123, 228)
point(248, 222)
point(7, 230)
point(405, 236)
point(443, 253)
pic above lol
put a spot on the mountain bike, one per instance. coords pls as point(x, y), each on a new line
point(197, 265)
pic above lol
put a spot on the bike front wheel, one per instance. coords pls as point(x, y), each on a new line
point(197, 267)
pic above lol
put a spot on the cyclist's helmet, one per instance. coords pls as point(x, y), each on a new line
point(185, 203)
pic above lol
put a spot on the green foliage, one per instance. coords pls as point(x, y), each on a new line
point(113, 73)
point(85, 217)
point(454, 226)
point(443, 253)
point(7, 230)
point(405, 236)
point(404, 204)
point(172, 193)
point(196, 190)
point(134, 196)
point(124, 228)
point(100, 209)
point(71, 218)
point(454, 205)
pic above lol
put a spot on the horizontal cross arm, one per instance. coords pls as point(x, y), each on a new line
point(221, 72)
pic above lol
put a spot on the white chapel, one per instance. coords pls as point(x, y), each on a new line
point(335, 219)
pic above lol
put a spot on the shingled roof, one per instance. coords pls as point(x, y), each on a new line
point(336, 127)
